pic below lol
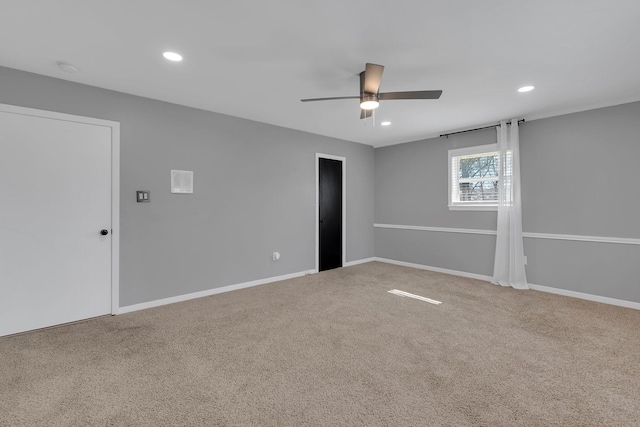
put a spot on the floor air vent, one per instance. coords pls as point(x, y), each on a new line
point(407, 294)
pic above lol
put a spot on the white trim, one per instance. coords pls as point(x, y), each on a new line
point(14, 109)
point(115, 218)
point(556, 113)
point(209, 292)
point(474, 150)
point(473, 208)
point(359, 261)
point(435, 269)
point(344, 206)
point(572, 237)
point(115, 182)
point(588, 297)
point(579, 109)
point(436, 229)
point(539, 288)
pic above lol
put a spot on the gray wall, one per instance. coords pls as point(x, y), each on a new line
point(578, 175)
point(255, 194)
point(254, 190)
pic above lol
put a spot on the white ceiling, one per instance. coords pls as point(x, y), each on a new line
point(256, 59)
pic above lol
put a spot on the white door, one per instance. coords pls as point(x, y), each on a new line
point(55, 198)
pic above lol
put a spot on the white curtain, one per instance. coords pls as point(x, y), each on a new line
point(508, 269)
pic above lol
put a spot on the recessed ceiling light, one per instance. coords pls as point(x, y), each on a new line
point(69, 68)
point(172, 56)
point(526, 89)
point(385, 123)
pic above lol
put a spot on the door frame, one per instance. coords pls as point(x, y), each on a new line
point(344, 206)
point(115, 183)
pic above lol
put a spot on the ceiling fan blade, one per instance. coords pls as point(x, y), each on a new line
point(330, 99)
point(372, 77)
point(417, 94)
point(365, 113)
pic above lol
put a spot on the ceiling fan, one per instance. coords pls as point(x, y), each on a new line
point(370, 97)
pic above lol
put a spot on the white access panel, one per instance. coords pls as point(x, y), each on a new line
point(181, 181)
point(55, 198)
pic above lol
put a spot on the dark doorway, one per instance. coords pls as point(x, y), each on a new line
point(330, 217)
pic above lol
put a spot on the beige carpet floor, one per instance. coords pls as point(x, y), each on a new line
point(335, 348)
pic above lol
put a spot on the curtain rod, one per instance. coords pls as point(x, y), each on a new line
point(473, 130)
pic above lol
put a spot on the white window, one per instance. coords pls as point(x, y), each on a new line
point(474, 177)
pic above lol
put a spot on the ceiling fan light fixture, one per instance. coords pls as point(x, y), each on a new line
point(369, 101)
point(369, 105)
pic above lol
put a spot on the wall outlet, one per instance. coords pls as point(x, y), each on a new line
point(276, 256)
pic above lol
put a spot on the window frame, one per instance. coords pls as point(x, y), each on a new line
point(467, 151)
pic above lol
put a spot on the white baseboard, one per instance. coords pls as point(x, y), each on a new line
point(359, 261)
point(436, 269)
point(186, 297)
point(589, 297)
point(557, 291)
point(209, 292)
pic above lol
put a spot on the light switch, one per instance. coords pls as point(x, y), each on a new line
point(142, 196)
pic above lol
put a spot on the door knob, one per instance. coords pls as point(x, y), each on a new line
point(104, 232)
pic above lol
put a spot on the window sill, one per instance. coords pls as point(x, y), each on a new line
point(473, 207)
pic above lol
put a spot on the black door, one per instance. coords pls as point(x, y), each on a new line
point(330, 181)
